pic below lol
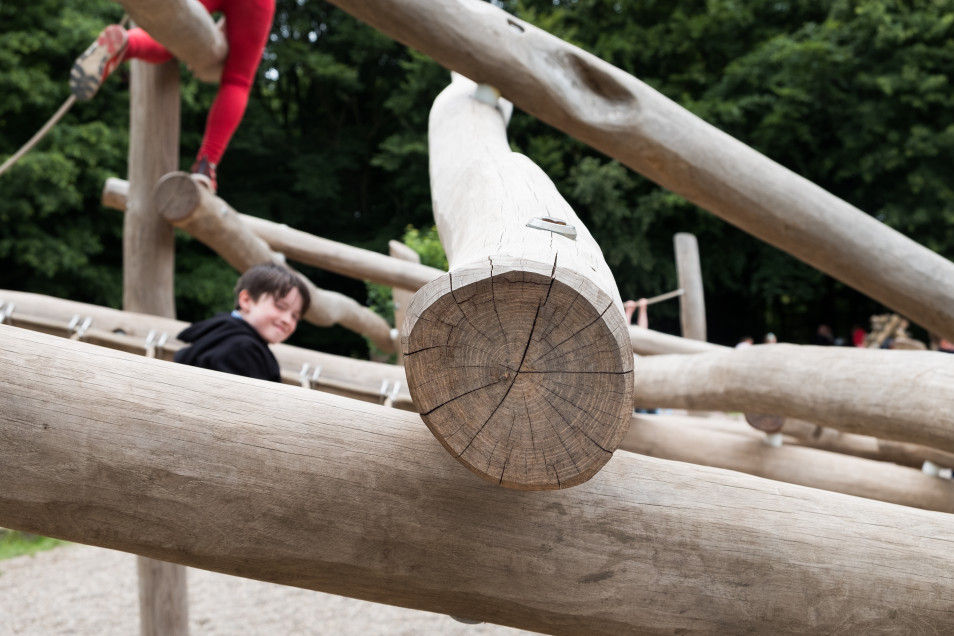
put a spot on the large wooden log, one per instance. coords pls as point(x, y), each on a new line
point(692, 303)
point(895, 395)
point(186, 29)
point(270, 482)
point(690, 439)
point(518, 359)
point(624, 118)
point(313, 250)
point(127, 331)
point(186, 204)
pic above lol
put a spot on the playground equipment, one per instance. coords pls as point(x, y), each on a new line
point(328, 493)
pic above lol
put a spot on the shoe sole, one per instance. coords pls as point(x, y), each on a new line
point(96, 63)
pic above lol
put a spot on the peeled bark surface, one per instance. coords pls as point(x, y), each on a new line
point(647, 342)
point(193, 208)
point(270, 482)
point(186, 29)
point(691, 439)
point(518, 359)
point(627, 120)
point(894, 395)
point(692, 303)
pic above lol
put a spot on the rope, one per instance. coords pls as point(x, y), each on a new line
point(57, 116)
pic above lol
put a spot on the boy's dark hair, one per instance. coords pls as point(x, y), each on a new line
point(274, 279)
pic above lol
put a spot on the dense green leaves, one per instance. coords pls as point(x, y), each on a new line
point(854, 96)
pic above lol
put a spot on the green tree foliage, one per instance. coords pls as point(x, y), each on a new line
point(852, 95)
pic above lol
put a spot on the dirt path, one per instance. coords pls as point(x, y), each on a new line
point(82, 590)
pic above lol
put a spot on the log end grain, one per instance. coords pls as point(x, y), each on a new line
point(176, 196)
point(523, 371)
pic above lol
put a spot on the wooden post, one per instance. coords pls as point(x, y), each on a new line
point(627, 120)
point(685, 439)
point(186, 29)
point(96, 450)
point(893, 395)
point(647, 342)
point(692, 303)
point(402, 297)
point(148, 271)
point(518, 358)
point(186, 204)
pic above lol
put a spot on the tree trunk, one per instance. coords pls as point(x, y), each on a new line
point(265, 481)
point(894, 395)
point(186, 29)
point(189, 206)
point(692, 303)
point(622, 117)
point(690, 439)
point(518, 358)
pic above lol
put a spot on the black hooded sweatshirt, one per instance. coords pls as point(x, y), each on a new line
point(229, 344)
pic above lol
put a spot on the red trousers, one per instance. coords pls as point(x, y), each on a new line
point(247, 26)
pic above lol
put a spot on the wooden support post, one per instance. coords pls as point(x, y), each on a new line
point(148, 272)
point(402, 297)
point(312, 250)
point(647, 342)
point(685, 439)
point(518, 358)
point(627, 120)
point(893, 395)
point(186, 204)
point(692, 303)
point(95, 450)
point(186, 29)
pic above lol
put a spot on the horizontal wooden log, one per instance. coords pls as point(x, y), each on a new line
point(617, 114)
point(689, 439)
point(517, 358)
point(647, 342)
point(312, 250)
point(894, 395)
point(186, 204)
point(240, 476)
point(340, 375)
point(186, 29)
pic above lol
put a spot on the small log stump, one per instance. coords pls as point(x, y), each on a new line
point(518, 359)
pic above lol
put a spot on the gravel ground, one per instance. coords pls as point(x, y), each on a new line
point(78, 589)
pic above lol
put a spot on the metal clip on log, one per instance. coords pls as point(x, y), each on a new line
point(308, 381)
point(5, 311)
point(78, 326)
point(551, 224)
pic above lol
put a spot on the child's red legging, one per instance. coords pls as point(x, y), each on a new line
point(247, 25)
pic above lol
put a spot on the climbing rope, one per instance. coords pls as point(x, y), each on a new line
point(48, 125)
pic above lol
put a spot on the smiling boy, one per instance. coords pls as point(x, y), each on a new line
point(269, 300)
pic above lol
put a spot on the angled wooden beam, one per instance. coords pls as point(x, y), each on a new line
point(647, 342)
point(893, 395)
point(312, 250)
point(96, 451)
point(186, 29)
point(624, 118)
point(186, 204)
point(518, 358)
point(690, 439)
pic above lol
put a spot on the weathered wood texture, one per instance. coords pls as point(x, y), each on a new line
point(193, 208)
point(163, 598)
point(355, 378)
point(692, 303)
point(624, 118)
point(271, 482)
point(186, 29)
point(518, 359)
point(894, 395)
point(647, 342)
point(148, 241)
point(312, 250)
point(402, 297)
point(689, 439)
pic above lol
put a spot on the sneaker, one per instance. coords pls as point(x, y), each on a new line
point(98, 61)
point(203, 171)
